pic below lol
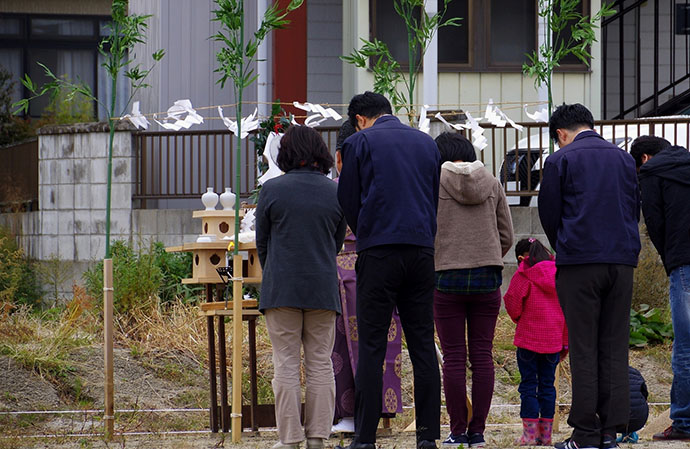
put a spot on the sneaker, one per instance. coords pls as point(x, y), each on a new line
point(455, 440)
point(570, 444)
point(280, 445)
point(631, 437)
point(671, 434)
point(345, 425)
point(476, 439)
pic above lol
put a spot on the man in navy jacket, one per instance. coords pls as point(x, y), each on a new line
point(388, 190)
point(589, 209)
point(665, 184)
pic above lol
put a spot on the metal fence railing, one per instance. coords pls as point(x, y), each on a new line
point(177, 165)
point(183, 164)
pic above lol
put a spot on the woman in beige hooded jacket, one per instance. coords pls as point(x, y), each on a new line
point(475, 231)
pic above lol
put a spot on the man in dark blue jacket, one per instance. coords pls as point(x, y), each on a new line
point(589, 209)
point(665, 185)
point(388, 190)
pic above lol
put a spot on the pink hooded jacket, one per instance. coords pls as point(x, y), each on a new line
point(532, 303)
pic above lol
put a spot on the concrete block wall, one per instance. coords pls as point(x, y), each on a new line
point(72, 177)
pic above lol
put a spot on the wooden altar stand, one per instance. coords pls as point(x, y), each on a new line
point(208, 257)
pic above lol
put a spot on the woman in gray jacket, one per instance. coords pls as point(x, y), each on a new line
point(300, 228)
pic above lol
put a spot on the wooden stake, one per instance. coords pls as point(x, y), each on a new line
point(109, 417)
point(236, 415)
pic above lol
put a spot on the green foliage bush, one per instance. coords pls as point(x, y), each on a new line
point(649, 326)
point(12, 129)
point(18, 282)
point(142, 277)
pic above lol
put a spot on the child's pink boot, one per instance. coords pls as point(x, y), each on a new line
point(530, 429)
point(544, 434)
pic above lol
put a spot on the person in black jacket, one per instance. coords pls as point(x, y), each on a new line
point(639, 409)
point(589, 209)
point(388, 190)
point(665, 184)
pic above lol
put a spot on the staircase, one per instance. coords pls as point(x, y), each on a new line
point(646, 59)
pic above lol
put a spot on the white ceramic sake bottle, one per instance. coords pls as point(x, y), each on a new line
point(227, 199)
point(210, 199)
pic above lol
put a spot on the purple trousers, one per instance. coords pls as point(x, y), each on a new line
point(453, 314)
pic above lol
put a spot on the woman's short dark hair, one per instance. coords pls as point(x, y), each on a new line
point(369, 105)
point(455, 147)
point(302, 146)
point(571, 117)
point(650, 145)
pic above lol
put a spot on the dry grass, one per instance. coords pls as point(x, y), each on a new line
point(42, 343)
point(650, 282)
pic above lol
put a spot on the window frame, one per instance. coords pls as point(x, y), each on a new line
point(25, 42)
point(479, 42)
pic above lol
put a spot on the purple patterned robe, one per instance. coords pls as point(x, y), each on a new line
point(344, 355)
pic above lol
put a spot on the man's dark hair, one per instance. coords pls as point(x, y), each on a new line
point(455, 147)
point(302, 146)
point(650, 145)
point(369, 105)
point(570, 117)
point(345, 131)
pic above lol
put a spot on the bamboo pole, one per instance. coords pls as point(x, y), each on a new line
point(109, 417)
point(236, 415)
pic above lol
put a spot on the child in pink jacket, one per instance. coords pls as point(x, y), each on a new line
point(541, 337)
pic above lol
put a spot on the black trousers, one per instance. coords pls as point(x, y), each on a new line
point(390, 276)
point(595, 299)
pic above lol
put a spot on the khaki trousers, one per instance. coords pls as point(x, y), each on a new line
point(290, 329)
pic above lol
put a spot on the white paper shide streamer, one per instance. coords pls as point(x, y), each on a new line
point(136, 117)
point(424, 121)
point(180, 115)
point(540, 115)
point(271, 153)
point(478, 139)
point(249, 123)
point(318, 114)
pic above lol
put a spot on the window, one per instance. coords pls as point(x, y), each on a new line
point(571, 62)
point(495, 35)
point(67, 45)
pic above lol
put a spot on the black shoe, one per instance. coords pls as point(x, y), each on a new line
point(476, 439)
point(608, 442)
point(354, 445)
point(570, 444)
point(426, 444)
point(670, 434)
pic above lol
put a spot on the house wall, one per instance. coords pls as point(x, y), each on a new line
point(182, 28)
point(324, 47)
point(667, 69)
point(469, 89)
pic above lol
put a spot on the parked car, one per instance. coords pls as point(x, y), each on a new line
point(520, 171)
